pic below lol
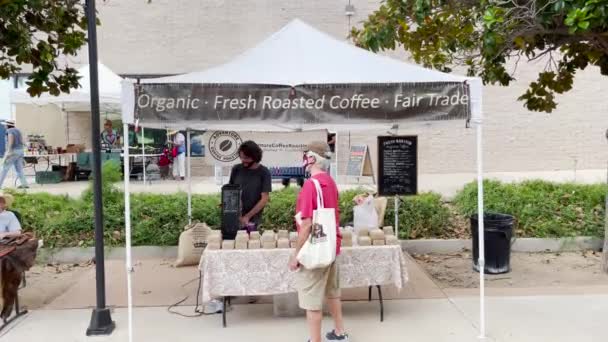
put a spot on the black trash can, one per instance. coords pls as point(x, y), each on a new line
point(498, 230)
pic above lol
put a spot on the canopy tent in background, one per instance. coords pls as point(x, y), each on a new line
point(68, 112)
point(303, 79)
point(79, 100)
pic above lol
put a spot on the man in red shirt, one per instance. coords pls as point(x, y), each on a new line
point(314, 285)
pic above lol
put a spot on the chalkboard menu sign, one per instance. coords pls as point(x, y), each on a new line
point(397, 165)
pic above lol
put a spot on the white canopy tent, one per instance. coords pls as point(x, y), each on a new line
point(79, 100)
point(300, 59)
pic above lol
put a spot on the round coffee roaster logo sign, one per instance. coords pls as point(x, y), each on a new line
point(224, 146)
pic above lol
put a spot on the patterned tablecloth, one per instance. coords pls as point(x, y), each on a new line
point(263, 272)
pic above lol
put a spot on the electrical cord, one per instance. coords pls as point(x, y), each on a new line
point(197, 312)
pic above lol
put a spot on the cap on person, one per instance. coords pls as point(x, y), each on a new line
point(9, 123)
point(320, 148)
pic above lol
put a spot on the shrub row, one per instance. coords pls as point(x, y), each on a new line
point(543, 209)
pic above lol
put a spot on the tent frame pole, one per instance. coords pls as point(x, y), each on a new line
point(143, 154)
point(481, 233)
point(189, 175)
point(128, 258)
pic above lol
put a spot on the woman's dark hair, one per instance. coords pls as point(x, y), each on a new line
point(251, 150)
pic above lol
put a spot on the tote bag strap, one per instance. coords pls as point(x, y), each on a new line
point(320, 203)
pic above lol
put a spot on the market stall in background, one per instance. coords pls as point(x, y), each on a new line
point(57, 130)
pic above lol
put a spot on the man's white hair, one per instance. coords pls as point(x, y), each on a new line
point(322, 162)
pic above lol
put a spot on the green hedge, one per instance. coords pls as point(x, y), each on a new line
point(544, 210)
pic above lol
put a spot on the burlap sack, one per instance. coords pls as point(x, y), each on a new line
point(192, 243)
point(378, 243)
point(283, 243)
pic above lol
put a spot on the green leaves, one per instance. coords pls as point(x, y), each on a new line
point(492, 17)
point(578, 19)
point(36, 33)
point(484, 35)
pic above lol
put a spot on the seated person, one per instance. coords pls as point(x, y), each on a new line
point(9, 224)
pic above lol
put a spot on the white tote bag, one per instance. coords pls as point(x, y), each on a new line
point(319, 250)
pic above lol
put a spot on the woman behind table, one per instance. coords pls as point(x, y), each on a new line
point(109, 136)
point(315, 285)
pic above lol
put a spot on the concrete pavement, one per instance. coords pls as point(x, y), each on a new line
point(510, 319)
point(421, 312)
point(158, 283)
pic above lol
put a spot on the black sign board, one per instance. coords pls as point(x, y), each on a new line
point(397, 165)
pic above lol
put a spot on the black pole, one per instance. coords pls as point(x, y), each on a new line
point(101, 320)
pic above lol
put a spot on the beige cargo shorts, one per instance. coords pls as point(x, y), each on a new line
point(316, 285)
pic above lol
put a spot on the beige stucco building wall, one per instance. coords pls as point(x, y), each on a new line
point(58, 127)
point(48, 121)
point(176, 36)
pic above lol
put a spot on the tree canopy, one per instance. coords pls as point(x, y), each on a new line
point(484, 35)
point(36, 33)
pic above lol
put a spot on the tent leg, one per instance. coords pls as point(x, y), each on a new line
point(128, 261)
point(481, 233)
point(189, 175)
point(143, 154)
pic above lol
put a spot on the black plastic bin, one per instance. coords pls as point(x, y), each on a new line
point(498, 230)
